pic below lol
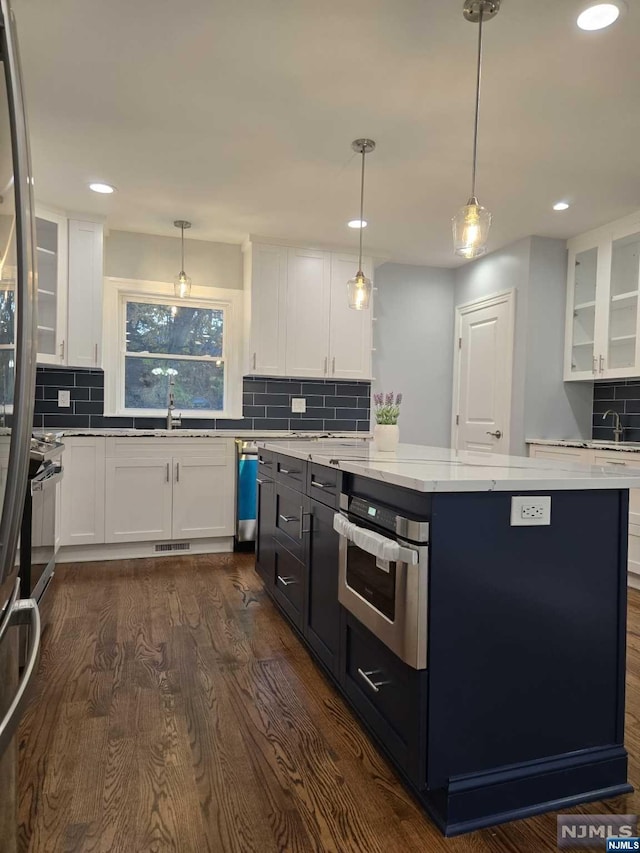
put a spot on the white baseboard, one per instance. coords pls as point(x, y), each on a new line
point(134, 550)
point(633, 580)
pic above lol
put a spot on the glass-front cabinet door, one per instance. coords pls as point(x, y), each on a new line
point(51, 259)
point(624, 284)
point(583, 278)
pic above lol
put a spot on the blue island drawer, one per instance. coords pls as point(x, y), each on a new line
point(390, 697)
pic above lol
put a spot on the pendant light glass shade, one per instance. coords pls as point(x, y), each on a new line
point(472, 222)
point(471, 229)
point(359, 291)
point(359, 288)
point(182, 285)
point(182, 282)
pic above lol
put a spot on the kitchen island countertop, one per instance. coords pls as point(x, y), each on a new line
point(441, 469)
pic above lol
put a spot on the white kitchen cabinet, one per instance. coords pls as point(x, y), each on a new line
point(84, 344)
point(568, 454)
point(69, 255)
point(297, 318)
point(265, 290)
point(138, 499)
point(201, 490)
point(169, 488)
point(51, 262)
point(603, 304)
point(350, 332)
point(307, 313)
point(82, 491)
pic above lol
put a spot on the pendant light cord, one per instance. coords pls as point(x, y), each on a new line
point(361, 209)
point(182, 243)
point(477, 116)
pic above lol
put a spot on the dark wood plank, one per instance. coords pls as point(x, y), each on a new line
point(176, 711)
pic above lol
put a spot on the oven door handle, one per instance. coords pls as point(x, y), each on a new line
point(373, 543)
point(52, 474)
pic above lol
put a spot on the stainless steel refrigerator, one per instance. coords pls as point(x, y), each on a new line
point(18, 325)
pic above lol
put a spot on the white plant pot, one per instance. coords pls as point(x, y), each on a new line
point(386, 437)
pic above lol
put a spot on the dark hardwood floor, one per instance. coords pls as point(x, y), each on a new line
point(176, 711)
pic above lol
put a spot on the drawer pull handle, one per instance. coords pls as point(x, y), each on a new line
point(287, 471)
point(288, 518)
point(260, 482)
point(287, 581)
point(374, 685)
point(615, 462)
point(320, 485)
point(261, 462)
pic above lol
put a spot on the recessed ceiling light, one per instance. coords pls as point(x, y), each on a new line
point(561, 205)
point(357, 223)
point(98, 187)
point(598, 16)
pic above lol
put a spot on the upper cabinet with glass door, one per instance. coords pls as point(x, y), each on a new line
point(51, 259)
point(603, 318)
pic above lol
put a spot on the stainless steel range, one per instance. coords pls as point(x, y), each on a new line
point(38, 531)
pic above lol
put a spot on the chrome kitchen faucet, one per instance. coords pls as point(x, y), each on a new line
point(618, 429)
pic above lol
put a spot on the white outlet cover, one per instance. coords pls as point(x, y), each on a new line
point(64, 399)
point(530, 510)
point(298, 404)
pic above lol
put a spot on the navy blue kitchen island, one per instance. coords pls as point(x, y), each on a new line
point(470, 607)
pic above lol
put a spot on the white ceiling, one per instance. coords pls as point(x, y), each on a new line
point(239, 115)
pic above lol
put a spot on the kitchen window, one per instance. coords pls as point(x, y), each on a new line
point(189, 346)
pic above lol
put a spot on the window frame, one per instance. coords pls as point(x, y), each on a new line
point(118, 292)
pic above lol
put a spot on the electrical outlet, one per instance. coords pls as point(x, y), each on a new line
point(530, 511)
point(64, 399)
point(299, 405)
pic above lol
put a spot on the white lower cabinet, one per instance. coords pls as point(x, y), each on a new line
point(202, 489)
point(82, 491)
point(139, 497)
point(169, 488)
point(610, 458)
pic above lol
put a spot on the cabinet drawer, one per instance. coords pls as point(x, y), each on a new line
point(289, 513)
point(390, 696)
point(323, 484)
point(292, 472)
point(266, 464)
point(288, 588)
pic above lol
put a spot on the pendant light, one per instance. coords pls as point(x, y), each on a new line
point(182, 282)
point(472, 222)
point(359, 288)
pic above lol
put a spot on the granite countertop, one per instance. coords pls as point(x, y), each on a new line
point(202, 433)
point(590, 444)
point(441, 469)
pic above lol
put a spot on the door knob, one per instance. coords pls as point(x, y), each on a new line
point(496, 434)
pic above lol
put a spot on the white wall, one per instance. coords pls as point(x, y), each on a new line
point(413, 340)
point(149, 257)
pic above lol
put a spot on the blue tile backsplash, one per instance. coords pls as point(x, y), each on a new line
point(621, 396)
point(332, 406)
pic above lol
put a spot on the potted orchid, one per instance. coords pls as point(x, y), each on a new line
point(386, 433)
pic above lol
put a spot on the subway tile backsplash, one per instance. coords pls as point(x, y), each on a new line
point(332, 406)
point(621, 396)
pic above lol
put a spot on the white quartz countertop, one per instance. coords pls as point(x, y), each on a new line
point(633, 446)
point(441, 469)
point(203, 433)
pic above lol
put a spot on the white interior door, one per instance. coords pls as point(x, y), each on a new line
point(483, 369)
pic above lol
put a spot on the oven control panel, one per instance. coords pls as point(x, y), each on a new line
point(378, 515)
